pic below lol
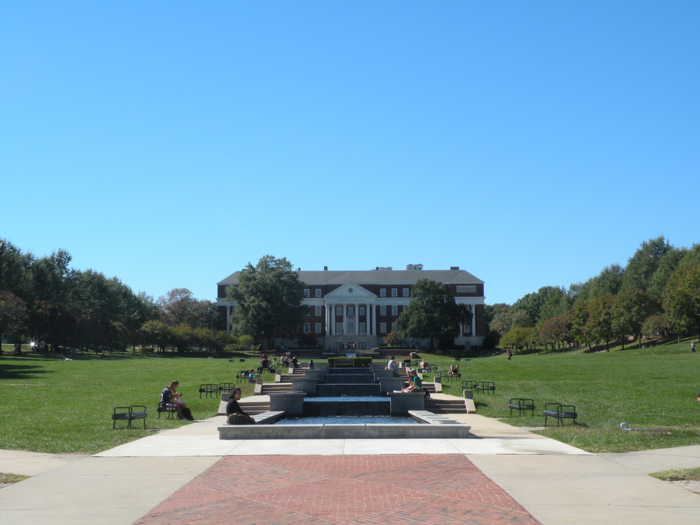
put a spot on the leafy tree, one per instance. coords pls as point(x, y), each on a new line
point(644, 263)
point(691, 258)
point(554, 330)
point(517, 338)
point(556, 304)
point(52, 322)
point(394, 338)
point(505, 321)
point(155, 333)
point(681, 299)
point(600, 322)
point(13, 315)
point(432, 314)
point(533, 303)
point(654, 325)
point(268, 300)
point(578, 320)
point(607, 282)
point(631, 309)
point(667, 265)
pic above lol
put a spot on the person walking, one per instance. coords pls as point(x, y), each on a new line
point(692, 347)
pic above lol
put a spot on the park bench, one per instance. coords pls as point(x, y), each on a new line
point(559, 412)
point(168, 410)
point(520, 404)
point(129, 414)
point(469, 385)
point(485, 386)
point(208, 389)
point(226, 387)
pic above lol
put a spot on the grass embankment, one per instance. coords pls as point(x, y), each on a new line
point(646, 388)
point(56, 406)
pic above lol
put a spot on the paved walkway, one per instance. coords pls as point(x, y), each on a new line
point(554, 483)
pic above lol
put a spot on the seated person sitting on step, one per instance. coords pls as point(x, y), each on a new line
point(234, 412)
point(415, 383)
point(424, 365)
point(391, 365)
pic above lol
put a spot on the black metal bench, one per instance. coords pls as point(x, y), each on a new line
point(469, 385)
point(208, 389)
point(226, 387)
point(129, 414)
point(520, 404)
point(485, 386)
point(560, 413)
point(168, 410)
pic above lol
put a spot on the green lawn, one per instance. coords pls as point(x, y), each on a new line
point(56, 406)
point(646, 388)
point(65, 406)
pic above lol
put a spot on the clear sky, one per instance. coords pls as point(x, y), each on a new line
point(170, 143)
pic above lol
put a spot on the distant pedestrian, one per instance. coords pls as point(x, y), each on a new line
point(692, 347)
point(509, 353)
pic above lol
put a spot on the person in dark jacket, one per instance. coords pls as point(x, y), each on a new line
point(233, 408)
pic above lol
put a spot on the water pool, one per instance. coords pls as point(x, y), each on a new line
point(347, 420)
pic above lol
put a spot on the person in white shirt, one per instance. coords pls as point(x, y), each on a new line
point(391, 365)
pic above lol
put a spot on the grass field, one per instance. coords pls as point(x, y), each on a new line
point(49, 405)
point(65, 406)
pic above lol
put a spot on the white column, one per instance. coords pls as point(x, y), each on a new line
point(374, 319)
point(367, 319)
point(328, 320)
point(228, 320)
point(345, 319)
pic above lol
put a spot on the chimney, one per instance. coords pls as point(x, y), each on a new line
point(454, 267)
point(298, 269)
point(325, 268)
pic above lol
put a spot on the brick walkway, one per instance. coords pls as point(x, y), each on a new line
point(324, 490)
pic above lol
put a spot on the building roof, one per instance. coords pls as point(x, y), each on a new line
point(387, 277)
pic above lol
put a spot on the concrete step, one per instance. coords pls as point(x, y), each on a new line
point(442, 406)
point(268, 388)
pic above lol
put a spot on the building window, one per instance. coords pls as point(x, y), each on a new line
point(318, 311)
point(318, 292)
point(382, 292)
point(338, 328)
point(351, 311)
point(362, 328)
point(307, 328)
point(394, 292)
point(318, 328)
point(361, 310)
point(466, 288)
point(467, 329)
point(406, 293)
point(363, 344)
point(307, 293)
point(382, 310)
point(338, 310)
point(382, 328)
point(351, 327)
point(393, 326)
point(395, 310)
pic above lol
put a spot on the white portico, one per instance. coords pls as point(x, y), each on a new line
point(351, 311)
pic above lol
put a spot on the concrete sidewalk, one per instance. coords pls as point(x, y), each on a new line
point(556, 483)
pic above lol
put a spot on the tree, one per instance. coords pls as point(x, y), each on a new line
point(681, 299)
point(578, 320)
point(654, 326)
point(668, 264)
point(631, 309)
point(554, 330)
point(505, 321)
point(13, 314)
point(517, 338)
point(691, 258)
point(394, 338)
point(432, 313)
point(600, 322)
point(268, 300)
point(644, 263)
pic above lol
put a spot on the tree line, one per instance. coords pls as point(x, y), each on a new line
point(656, 293)
point(44, 299)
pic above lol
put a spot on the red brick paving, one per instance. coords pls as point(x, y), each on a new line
point(340, 490)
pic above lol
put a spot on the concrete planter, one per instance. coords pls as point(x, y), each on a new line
point(290, 402)
point(390, 384)
point(383, 374)
point(402, 402)
point(315, 375)
point(303, 384)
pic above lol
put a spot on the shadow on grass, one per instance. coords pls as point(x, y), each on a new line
point(12, 371)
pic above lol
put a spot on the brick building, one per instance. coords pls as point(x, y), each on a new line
point(361, 307)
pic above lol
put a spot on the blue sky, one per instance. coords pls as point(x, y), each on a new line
point(170, 143)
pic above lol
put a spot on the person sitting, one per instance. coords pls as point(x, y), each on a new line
point(391, 365)
point(171, 398)
point(415, 383)
point(234, 412)
point(311, 364)
point(424, 365)
point(251, 376)
point(295, 362)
